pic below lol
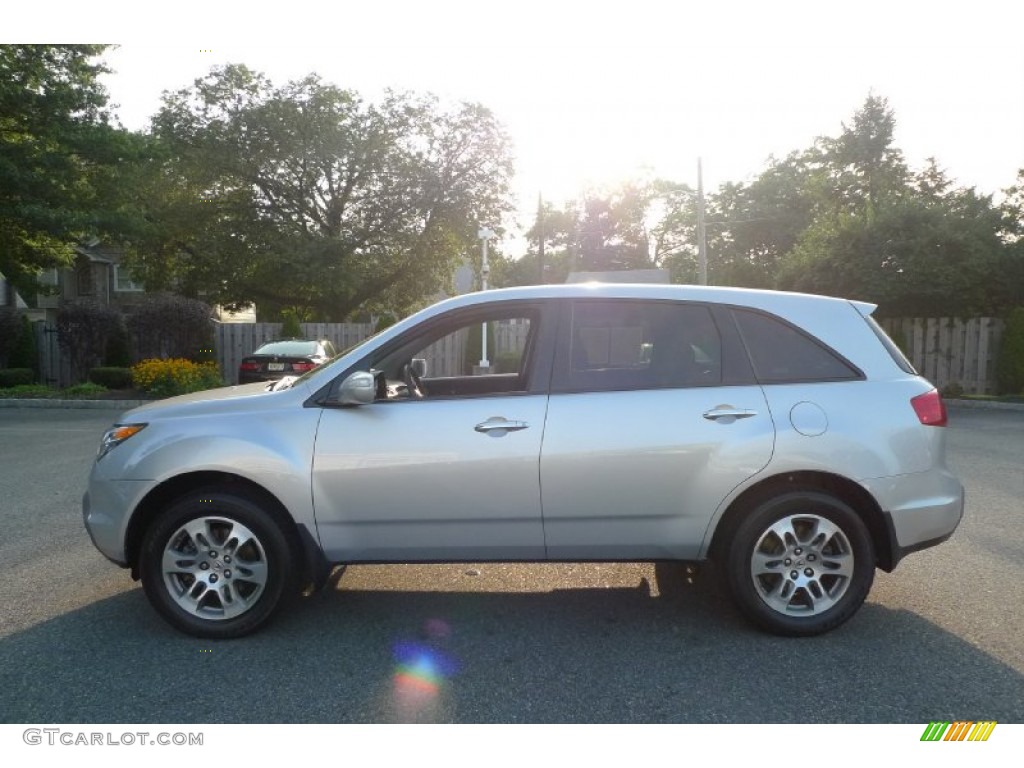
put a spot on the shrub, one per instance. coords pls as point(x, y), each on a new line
point(1010, 364)
point(83, 330)
point(119, 349)
point(10, 324)
point(953, 390)
point(290, 328)
point(88, 389)
point(166, 378)
point(16, 377)
point(111, 377)
point(168, 326)
point(25, 353)
point(506, 362)
point(27, 391)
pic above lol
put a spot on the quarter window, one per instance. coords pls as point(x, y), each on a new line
point(782, 353)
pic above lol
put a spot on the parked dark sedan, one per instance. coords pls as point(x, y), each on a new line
point(277, 359)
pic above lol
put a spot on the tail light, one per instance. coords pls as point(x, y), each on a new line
point(303, 367)
point(930, 409)
point(248, 365)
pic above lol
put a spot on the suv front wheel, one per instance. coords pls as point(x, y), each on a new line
point(216, 564)
point(800, 563)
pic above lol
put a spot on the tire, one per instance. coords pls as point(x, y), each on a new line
point(800, 564)
point(216, 564)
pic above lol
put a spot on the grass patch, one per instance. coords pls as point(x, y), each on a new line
point(87, 391)
point(27, 390)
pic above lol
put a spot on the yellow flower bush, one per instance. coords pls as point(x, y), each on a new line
point(166, 378)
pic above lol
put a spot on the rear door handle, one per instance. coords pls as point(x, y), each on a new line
point(496, 426)
point(728, 414)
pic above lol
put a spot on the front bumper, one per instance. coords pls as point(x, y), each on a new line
point(106, 508)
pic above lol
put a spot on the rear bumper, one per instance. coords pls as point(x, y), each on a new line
point(921, 509)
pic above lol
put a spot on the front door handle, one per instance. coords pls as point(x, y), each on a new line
point(727, 414)
point(496, 426)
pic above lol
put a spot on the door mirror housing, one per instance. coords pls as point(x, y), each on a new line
point(358, 388)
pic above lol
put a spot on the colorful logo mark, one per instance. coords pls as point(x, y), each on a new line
point(961, 730)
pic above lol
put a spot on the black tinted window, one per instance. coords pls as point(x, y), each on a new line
point(640, 345)
point(781, 353)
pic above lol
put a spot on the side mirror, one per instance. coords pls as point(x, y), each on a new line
point(358, 388)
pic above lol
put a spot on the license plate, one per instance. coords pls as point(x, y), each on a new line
point(275, 366)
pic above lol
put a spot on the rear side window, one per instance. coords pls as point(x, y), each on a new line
point(781, 353)
point(616, 345)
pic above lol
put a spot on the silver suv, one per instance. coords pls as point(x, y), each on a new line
point(784, 436)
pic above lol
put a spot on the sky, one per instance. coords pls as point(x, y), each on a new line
point(596, 93)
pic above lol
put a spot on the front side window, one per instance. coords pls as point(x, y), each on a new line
point(452, 359)
point(640, 345)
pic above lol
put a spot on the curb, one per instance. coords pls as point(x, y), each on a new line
point(97, 405)
point(989, 405)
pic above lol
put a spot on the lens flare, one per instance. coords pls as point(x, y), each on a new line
point(421, 672)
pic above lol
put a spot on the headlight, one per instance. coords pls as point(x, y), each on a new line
point(116, 435)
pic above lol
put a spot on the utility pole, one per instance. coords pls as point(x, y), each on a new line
point(484, 234)
point(540, 236)
point(702, 246)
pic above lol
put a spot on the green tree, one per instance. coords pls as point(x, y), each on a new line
point(916, 258)
point(60, 158)
point(305, 197)
point(604, 230)
point(752, 226)
point(1010, 364)
point(612, 232)
point(912, 242)
point(865, 168)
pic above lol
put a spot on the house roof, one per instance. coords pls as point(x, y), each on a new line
point(99, 254)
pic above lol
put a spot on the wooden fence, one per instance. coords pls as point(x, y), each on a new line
point(949, 351)
point(233, 341)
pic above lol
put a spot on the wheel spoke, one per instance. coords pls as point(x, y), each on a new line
point(231, 601)
point(251, 571)
point(838, 565)
point(175, 561)
point(762, 563)
point(197, 591)
point(784, 531)
point(824, 531)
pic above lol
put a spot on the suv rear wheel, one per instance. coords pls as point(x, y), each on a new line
point(800, 564)
point(216, 564)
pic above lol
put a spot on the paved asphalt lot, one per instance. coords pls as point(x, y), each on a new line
point(940, 639)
